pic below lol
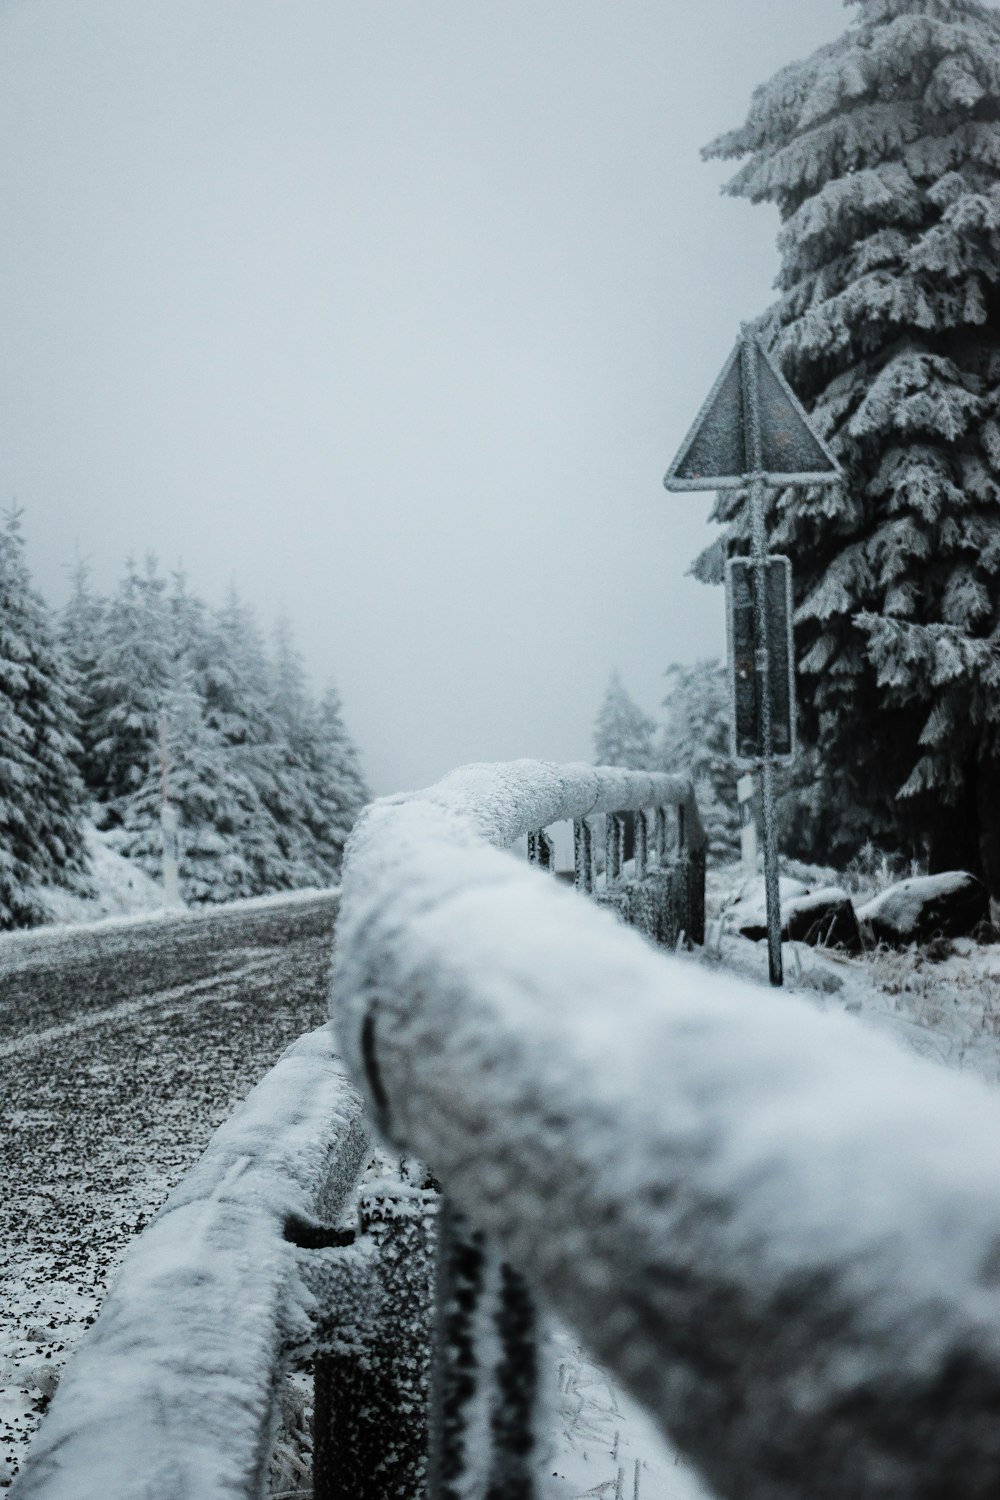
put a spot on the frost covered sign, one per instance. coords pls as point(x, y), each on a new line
point(719, 451)
point(745, 678)
point(753, 432)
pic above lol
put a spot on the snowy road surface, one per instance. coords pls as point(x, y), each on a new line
point(122, 1046)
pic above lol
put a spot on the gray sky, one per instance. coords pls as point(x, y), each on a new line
point(394, 312)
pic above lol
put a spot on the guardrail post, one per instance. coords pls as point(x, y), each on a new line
point(541, 850)
point(514, 1415)
point(426, 1383)
point(660, 825)
point(583, 856)
point(641, 845)
point(372, 1421)
point(464, 1260)
point(488, 1380)
point(614, 849)
point(696, 895)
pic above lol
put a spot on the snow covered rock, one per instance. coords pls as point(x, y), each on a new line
point(749, 914)
point(926, 906)
point(825, 917)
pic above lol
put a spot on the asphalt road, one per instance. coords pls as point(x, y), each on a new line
point(122, 1046)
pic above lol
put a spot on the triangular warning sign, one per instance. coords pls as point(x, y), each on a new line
point(718, 452)
point(790, 449)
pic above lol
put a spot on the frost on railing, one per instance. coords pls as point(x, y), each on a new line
point(778, 1229)
point(448, 1366)
point(250, 1267)
point(663, 893)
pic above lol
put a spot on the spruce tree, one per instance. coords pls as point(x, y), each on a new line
point(340, 787)
point(882, 154)
point(130, 681)
point(236, 689)
point(214, 803)
point(41, 794)
point(81, 634)
point(696, 743)
point(623, 734)
point(289, 792)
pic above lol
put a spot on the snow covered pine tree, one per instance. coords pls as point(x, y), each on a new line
point(696, 743)
point(882, 153)
point(127, 687)
point(623, 734)
point(41, 792)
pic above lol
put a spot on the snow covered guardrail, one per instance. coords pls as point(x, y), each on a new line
point(173, 1393)
point(780, 1230)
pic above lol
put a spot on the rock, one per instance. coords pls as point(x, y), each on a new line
point(825, 917)
point(926, 907)
point(749, 914)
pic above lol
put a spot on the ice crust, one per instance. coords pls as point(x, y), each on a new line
point(780, 1229)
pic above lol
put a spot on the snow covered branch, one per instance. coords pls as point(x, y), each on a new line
point(780, 1230)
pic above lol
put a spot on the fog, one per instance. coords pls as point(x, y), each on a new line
point(393, 313)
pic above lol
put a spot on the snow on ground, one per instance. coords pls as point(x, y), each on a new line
point(944, 1008)
point(120, 887)
point(604, 1446)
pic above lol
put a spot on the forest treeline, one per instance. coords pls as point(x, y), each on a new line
point(263, 776)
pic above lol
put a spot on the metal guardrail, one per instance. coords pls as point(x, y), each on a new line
point(450, 1367)
point(782, 1232)
point(173, 1392)
point(779, 1229)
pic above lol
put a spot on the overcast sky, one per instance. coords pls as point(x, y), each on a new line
point(393, 312)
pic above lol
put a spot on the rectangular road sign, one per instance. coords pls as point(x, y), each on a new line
point(744, 660)
point(748, 822)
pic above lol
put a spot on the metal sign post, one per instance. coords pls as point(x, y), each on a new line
point(762, 656)
point(751, 432)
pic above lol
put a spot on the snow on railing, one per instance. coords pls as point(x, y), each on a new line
point(172, 1395)
point(448, 1366)
point(779, 1229)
